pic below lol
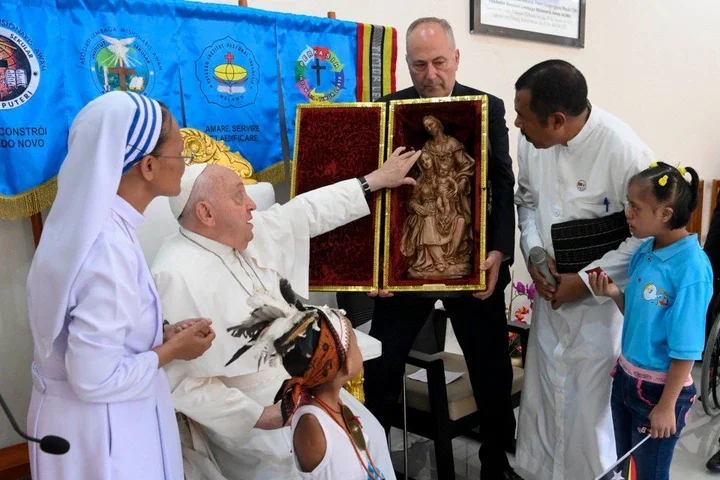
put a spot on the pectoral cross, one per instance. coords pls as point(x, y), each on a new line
point(317, 69)
point(122, 71)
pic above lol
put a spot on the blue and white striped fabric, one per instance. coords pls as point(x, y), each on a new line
point(144, 129)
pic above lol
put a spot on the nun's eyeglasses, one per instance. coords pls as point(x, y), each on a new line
point(187, 159)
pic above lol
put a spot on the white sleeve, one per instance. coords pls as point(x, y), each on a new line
point(320, 210)
point(333, 206)
point(616, 263)
point(223, 409)
point(529, 235)
point(99, 368)
point(283, 232)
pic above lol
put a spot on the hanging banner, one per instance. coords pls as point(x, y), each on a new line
point(217, 67)
point(230, 81)
point(121, 45)
point(33, 123)
point(376, 60)
point(317, 62)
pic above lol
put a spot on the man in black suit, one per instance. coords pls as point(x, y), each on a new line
point(712, 249)
point(478, 319)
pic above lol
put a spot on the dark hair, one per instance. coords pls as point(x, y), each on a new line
point(681, 195)
point(555, 86)
point(164, 129)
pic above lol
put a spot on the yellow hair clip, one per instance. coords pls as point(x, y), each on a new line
point(682, 171)
point(663, 180)
point(653, 165)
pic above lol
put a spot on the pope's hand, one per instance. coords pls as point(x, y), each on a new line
point(393, 172)
point(271, 418)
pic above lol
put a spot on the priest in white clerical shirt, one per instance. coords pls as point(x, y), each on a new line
point(223, 253)
point(574, 164)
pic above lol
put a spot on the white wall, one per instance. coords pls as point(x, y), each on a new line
point(654, 64)
point(16, 251)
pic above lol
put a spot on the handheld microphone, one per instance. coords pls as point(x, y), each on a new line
point(538, 256)
point(48, 444)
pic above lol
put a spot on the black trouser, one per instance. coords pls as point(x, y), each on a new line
point(481, 329)
point(713, 309)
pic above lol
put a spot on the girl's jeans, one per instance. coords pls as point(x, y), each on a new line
point(632, 401)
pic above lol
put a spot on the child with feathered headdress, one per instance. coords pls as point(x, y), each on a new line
point(318, 348)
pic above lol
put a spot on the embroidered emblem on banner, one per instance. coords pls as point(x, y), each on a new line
point(120, 59)
point(19, 69)
point(319, 74)
point(228, 73)
point(581, 185)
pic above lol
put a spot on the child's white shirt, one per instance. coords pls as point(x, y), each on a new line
point(340, 460)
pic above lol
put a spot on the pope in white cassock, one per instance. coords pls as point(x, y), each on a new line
point(575, 161)
point(224, 253)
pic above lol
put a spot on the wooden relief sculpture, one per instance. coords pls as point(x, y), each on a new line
point(437, 234)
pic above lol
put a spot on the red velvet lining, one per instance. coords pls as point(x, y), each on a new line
point(462, 120)
point(335, 144)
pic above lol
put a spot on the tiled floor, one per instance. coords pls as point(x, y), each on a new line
point(698, 442)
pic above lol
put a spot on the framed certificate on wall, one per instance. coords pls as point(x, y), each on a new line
point(560, 22)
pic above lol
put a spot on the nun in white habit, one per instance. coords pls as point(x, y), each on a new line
point(99, 341)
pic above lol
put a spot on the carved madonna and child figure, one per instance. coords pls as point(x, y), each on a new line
point(437, 234)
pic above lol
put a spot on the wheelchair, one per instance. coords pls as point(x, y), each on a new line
point(710, 382)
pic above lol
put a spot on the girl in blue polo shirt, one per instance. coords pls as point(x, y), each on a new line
point(665, 302)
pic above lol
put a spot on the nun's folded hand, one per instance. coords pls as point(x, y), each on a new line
point(193, 341)
point(171, 330)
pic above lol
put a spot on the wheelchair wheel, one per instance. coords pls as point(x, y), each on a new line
point(711, 372)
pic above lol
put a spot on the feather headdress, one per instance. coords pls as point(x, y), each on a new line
point(312, 342)
point(285, 328)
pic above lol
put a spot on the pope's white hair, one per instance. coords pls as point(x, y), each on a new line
point(203, 191)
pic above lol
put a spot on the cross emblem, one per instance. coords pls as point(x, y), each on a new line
point(317, 67)
point(229, 57)
point(122, 72)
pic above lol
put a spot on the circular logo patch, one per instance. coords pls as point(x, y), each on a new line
point(19, 70)
point(120, 59)
point(228, 73)
point(319, 74)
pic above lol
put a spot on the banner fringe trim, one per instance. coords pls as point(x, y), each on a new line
point(28, 203)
